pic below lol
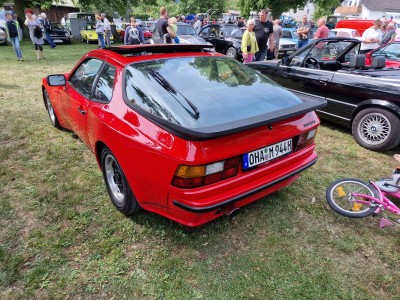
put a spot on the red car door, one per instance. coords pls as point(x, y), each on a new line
point(76, 104)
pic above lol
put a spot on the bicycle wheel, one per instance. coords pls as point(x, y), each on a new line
point(340, 199)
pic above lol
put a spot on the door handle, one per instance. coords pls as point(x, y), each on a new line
point(82, 112)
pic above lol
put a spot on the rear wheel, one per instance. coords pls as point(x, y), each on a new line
point(340, 198)
point(376, 129)
point(117, 186)
point(232, 52)
point(50, 110)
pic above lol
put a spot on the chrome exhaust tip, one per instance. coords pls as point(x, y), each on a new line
point(230, 211)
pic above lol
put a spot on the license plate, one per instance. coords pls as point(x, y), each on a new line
point(265, 154)
point(57, 41)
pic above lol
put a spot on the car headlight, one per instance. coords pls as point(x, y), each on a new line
point(67, 34)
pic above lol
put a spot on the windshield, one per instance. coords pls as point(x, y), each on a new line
point(57, 26)
point(185, 30)
point(199, 92)
point(232, 31)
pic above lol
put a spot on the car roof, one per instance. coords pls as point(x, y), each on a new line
point(124, 55)
point(338, 39)
point(343, 29)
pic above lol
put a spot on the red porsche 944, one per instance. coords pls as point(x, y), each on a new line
point(181, 131)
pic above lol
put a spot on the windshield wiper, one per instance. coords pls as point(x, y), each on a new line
point(169, 87)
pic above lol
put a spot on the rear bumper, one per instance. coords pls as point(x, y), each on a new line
point(244, 195)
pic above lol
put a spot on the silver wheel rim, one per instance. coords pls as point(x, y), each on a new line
point(374, 129)
point(230, 53)
point(50, 109)
point(114, 179)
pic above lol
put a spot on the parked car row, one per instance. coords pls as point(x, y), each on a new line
point(365, 99)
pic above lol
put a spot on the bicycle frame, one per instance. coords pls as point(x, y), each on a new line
point(383, 203)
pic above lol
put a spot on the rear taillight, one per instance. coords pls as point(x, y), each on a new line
point(196, 176)
point(306, 139)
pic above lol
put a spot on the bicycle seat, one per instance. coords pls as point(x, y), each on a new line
point(387, 185)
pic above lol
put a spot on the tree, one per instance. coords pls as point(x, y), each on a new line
point(325, 8)
point(277, 7)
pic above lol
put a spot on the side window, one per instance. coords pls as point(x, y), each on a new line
point(205, 32)
point(83, 78)
point(105, 84)
point(214, 31)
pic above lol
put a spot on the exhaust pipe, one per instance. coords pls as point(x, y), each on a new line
point(230, 211)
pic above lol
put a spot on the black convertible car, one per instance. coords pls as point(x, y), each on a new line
point(227, 39)
point(365, 99)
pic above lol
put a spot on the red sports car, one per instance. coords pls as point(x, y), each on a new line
point(181, 131)
point(390, 51)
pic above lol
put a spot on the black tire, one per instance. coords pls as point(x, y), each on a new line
point(376, 129)
point(232, 52)
point(118, 187)
point(50, 110)
point(339, 197)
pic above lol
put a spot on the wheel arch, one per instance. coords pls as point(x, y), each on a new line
point(378, 103)
point(97, 151)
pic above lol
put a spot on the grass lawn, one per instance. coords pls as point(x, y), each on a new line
point(61, 237)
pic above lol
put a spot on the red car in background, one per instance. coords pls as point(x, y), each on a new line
point(147, 34)
point(390, 51)
point(181, 131)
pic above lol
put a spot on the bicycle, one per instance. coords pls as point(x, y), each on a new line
point(355, 198)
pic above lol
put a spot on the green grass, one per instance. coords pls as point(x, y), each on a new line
point(60, 236)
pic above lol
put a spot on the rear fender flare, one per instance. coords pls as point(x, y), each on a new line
point(390, 106)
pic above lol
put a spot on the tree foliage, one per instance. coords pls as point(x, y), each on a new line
point(325, 8)
point(275, 6)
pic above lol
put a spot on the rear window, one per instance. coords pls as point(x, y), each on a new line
point(197, 92)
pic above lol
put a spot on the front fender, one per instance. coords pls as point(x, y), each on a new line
point(395, 108)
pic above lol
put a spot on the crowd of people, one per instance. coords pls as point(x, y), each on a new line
point(38, 26)
point(260, 39)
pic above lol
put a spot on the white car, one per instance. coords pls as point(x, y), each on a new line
point(347, 33)
point(286, 46)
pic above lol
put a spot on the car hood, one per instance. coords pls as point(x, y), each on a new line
point(285, 41)
point(191, 39)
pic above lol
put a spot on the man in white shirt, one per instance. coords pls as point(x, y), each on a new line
point(371, 37)
point(107, 30)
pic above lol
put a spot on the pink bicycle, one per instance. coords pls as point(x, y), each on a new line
point(355, 198)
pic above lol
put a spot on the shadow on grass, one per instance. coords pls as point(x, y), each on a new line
point(9, 86)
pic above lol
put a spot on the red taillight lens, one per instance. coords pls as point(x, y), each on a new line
point(306, 139)
point(196, 176)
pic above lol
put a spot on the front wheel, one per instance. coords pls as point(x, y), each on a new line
point(376, 129)
point(117, 185)
point(232, 53)
point(50, 110)
point(340, 198)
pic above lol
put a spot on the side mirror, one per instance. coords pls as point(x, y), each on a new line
point(56, 80)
